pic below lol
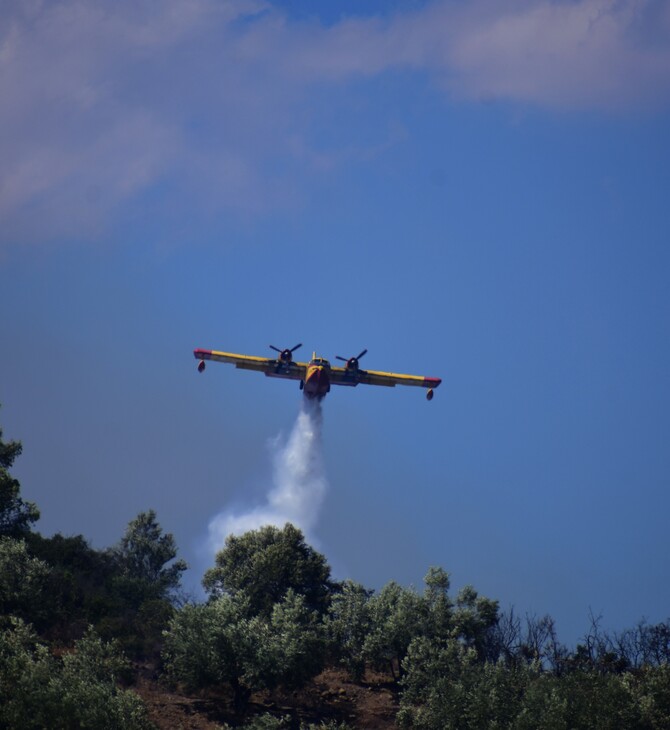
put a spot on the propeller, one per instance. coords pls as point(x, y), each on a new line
point(286, 355)
point(352, 362)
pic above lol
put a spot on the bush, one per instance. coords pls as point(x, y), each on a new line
point(79, 691)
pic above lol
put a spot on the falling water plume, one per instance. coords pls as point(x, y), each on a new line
point(299, 484)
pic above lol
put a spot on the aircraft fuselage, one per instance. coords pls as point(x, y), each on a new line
point(317, 378)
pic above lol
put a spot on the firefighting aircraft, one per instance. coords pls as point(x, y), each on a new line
point(317, 375)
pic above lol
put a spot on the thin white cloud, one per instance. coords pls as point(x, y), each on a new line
point(569, 54)
point(102, 101)
point(99, 101)
point(589, 54)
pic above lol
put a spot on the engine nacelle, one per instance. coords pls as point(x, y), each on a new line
point(351, 362)
point(430, 394)
point(285, 355)
point(201, 366)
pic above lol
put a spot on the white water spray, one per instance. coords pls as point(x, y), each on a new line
point(299, 484)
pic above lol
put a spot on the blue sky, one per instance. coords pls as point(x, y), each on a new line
point(478, 192)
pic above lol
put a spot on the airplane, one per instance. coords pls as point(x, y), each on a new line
point(317, 375)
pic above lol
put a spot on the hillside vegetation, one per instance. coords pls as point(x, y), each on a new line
point(105, 639)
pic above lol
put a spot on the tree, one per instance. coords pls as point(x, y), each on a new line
point(188, 654)
point(438, 603)
point(81, 587)
point(144, 552)
point(397, 615)
point(145, 585)
point(22, 580)
point(446, 685)
point(221, 643)
point(80, 691)
point(16, 515)
point(652, 690)
point(218, 643)
point(542, 704)
point(595, 700)
point(265, 564)
point(26, 668)
point(349, 623)
point(474, 619)
point(437, 684)
point(297, 640)
point(88, 694)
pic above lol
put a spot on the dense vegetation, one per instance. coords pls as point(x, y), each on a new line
point(78, 624)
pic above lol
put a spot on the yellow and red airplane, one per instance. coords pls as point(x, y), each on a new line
point(317, 375)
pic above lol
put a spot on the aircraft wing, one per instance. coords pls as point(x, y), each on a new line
point(271, 367)
point(343, 376)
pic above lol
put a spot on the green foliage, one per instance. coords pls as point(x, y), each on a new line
point(446, 686)
point(543, 705)
point(16, 515)
point(580, 700)
point(79, 588)
point(219, 643)
point(437, 683)
point(651, 688)
point(349, 623)
point(86, 586)
point(143, 555)
point(145, 582)
point(397, 615)
point(79, 691)
point(216, 643)
point(473, 619)
point(22, 580)
point(598, 701)
point(438, 603)
point(265, 564)
point(297, 641)
point(467, 666)
point(89, 696)
point(26, 669)
point(212, 644)
point(189, 654)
